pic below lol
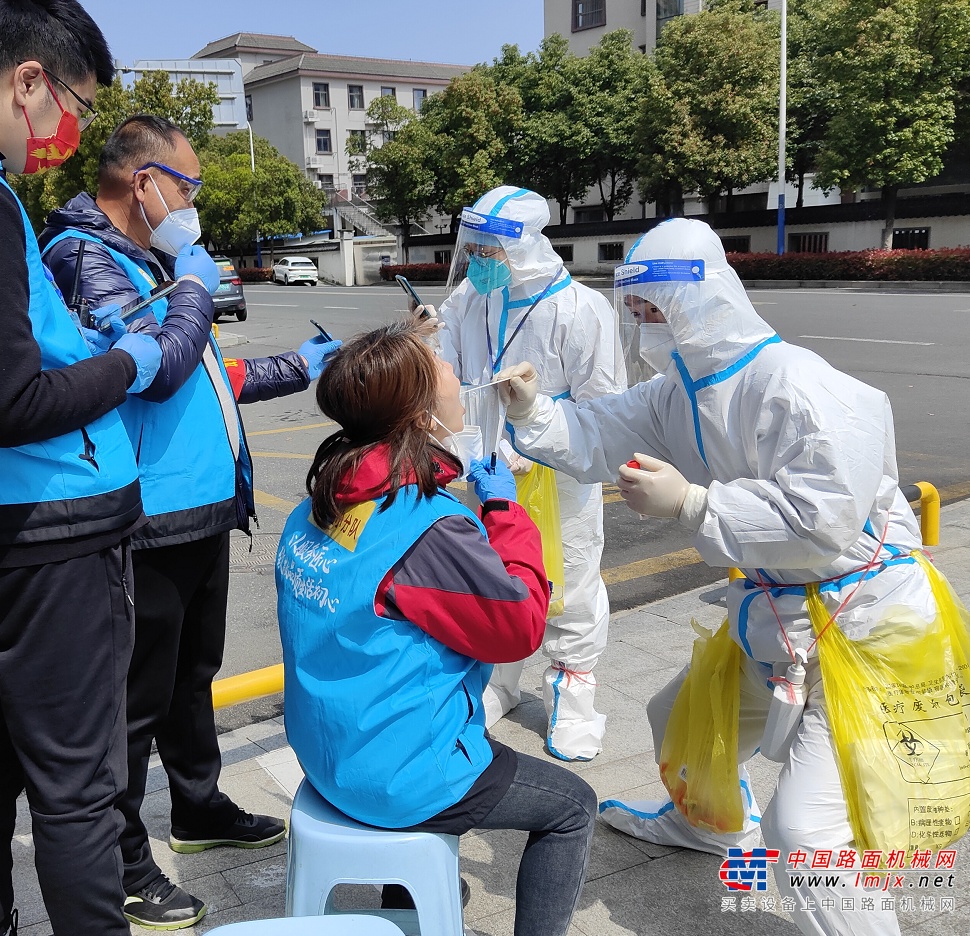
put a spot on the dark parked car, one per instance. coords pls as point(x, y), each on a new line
point(229, 297)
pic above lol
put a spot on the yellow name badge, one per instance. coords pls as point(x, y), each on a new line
point(347, 530)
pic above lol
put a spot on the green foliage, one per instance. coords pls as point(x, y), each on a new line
point(188, 104)
point(234, 203)
point(709, 120)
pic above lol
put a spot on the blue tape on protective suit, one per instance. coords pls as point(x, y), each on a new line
point(659, 271)
point(487, 224)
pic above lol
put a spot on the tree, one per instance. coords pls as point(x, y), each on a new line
point(551, 152)
point(893, 68)
point(396, 156)
point(234, 203)
point(188, 104)
point(612, 84)
point(472, 125)
point(709, 121)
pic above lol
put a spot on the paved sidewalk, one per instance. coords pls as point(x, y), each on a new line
point(633, 887)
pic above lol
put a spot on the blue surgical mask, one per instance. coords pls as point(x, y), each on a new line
point(487, 273)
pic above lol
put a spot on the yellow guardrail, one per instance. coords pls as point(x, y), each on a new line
point(268, 681)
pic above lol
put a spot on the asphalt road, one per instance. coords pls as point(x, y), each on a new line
point(915, 347)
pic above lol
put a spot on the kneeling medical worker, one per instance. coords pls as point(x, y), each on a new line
point(783, 467)
point(512, 300)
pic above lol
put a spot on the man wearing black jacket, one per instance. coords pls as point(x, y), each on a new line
point(69, 500)
point(196, 480)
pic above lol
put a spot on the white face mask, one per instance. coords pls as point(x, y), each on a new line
point(466, 446)
point(178, 229)
point(656, 343)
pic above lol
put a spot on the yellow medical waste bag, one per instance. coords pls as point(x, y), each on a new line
point(699, 754)
point(897, 704)
point(536, 491)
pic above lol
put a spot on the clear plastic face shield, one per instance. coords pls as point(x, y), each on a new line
point(480, 252)
point(645, 335)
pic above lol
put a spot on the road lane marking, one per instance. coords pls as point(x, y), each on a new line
point(271, 500)
point(280, 455)
point(262, 432)
point(644, 567)
point(925, 344)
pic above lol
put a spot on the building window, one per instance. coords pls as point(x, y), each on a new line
point(358, 182)
point(355, 96)
point(388, 91)
point(321, 94)
point(808, 243)
point(420, 96)
point(588, 215)
point(389, 135)
point(668, 10)
point(249, 107)
point(565, 252)
point(326, 181)
point(588, 13)
point(442, 256)
point(738, 243)
point(610, 253)
point(324, 143)
point(358, 142)
point(911, 238)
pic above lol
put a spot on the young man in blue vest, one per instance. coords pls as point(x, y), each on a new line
point(69, 500)
point(196, 484)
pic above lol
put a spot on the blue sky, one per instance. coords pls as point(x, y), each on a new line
point(454, 31)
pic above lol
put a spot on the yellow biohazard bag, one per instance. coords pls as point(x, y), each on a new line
point(897, 704)
point(536, 491)
point(699, 754)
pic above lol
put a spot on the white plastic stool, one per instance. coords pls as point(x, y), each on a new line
point(344, 925)
point(327, 848)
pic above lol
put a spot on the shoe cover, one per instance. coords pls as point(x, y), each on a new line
point(502, 694)
point(576, 729)
point(660, 822)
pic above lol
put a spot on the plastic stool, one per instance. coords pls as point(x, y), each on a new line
point(344, 925)
point(327, 848)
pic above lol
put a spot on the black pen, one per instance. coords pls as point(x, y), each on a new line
point(326, 335)
point(491, 467)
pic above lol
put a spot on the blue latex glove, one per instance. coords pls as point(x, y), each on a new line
point(194, 261)
point(109, 322)
point(316, 351)
point(96, 341)
point(147, 356)
point(489, 486)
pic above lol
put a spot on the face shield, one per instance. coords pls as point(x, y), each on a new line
point(638, 289)
point(481, 252)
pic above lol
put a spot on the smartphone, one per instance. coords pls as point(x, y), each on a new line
point(326, 335)
point(130, 309)
point(409, 289)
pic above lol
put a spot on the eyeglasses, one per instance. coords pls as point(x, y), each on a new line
point(483, 251)
point(187, 186)
point(87, 115)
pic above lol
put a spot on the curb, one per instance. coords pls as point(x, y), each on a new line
point(229, 340)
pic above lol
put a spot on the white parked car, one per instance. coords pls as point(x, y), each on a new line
point(295, 270)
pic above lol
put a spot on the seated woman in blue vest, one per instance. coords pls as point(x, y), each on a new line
point(394, 602)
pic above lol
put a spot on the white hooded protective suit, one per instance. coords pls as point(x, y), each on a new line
point(800, 468)
point(571, 336)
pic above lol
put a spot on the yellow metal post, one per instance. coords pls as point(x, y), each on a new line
point(247, 686)
point(929, 513)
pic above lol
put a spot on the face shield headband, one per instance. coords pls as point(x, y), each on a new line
point(479, 252)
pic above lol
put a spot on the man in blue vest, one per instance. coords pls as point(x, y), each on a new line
point(196, 483)
point(69, 500)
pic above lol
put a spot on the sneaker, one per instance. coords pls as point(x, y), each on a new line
point(162, 905)
point(9, 926)
point(247, 831)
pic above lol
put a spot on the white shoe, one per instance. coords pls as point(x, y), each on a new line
point(576, 729)
point(499, 699)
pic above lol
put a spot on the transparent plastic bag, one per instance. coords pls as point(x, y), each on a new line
point(699, 754)
point(897, 703)
point(536, 491)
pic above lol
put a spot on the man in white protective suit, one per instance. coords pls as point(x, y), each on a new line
point(511, 301)
point(783, 467)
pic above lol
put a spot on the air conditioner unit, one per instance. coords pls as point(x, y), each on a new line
point(318, 183)
point(309, 116)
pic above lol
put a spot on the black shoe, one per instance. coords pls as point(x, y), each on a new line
point(9, 926)
point(162, 905)
point(397, 897)
point(247, 831)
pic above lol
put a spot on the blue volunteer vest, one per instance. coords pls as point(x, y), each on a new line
point(386, 721)
point(182, 446)
point(81, 483)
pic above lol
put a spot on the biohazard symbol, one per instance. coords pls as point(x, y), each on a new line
point(916, 755)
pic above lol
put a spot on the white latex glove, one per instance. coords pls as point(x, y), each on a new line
point(518, 390)
point(655, 489)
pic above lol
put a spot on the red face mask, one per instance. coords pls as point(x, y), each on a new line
point(47, 152)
